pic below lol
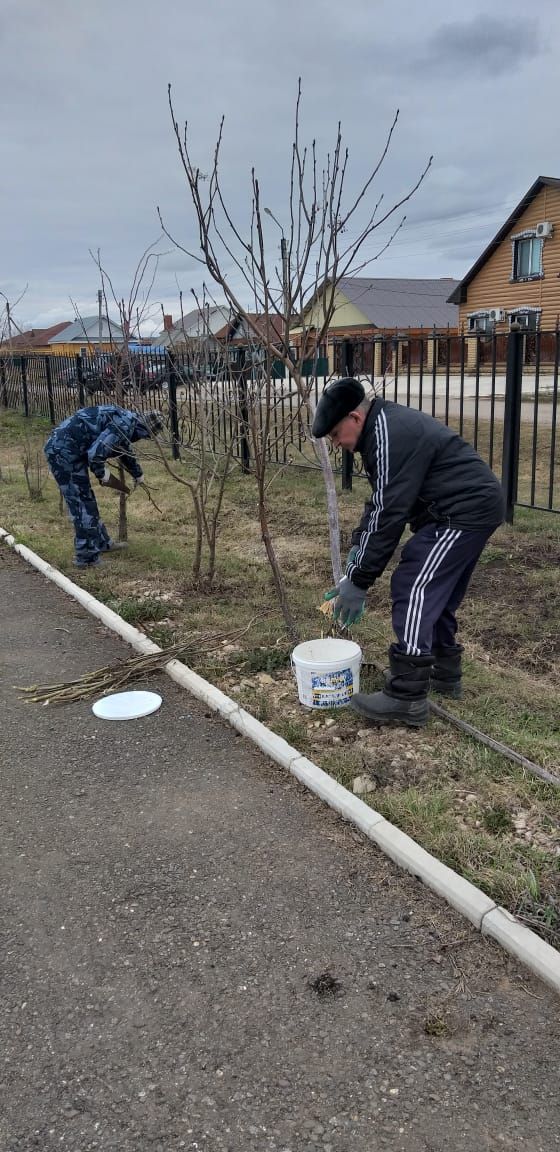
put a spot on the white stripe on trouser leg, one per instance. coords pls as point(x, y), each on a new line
point(412, 605)
point(422, 591)
point(416, 603)
point(434, 560)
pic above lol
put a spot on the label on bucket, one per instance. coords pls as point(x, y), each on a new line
point(329, 689)
point(327, 672)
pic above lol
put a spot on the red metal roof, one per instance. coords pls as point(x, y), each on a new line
point(36, 337)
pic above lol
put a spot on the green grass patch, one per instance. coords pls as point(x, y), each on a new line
point(498, 820)
point(138, 611)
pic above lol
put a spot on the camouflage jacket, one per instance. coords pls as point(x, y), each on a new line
point(92, 435)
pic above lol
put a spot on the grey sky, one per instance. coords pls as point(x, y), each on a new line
point(88, 151)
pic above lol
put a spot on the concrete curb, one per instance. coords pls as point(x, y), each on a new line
point(483, 913)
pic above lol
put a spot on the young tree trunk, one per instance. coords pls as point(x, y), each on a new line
point(277, 574)
point(332, 508)
point(197, 559)
point(123, 520)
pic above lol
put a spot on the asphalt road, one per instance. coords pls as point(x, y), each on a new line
point(197, 954)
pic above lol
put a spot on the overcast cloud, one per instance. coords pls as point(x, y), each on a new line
point(88, 152)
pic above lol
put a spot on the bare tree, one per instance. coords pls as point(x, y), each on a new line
point(9, 328)
point(323, 239)
point(120, 373)
point(206, 457)
point(200, 366)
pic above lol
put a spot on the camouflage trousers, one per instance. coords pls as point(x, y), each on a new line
point(91, 536)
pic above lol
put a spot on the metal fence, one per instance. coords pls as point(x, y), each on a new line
point(498, 391)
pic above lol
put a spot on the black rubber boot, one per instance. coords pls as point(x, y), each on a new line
point(446, 672)
point(404, 699)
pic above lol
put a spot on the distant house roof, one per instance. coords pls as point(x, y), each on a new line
point(86, 331)
point(195, 325)
point(37, 337)
point(395, 303)
point(240, 329)
point(458, 296)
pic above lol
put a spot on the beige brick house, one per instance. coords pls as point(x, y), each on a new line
point(369, 312)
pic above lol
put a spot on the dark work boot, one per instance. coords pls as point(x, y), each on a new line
point(80, 563)
point(404, 699)
point(115, 546)
point(446, 672)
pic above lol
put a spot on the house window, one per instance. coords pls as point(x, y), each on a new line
point(527, 258)
point(527, 319)
point(480, 322)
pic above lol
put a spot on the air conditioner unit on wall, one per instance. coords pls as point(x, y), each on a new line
point(496, 315)
point(544, 229)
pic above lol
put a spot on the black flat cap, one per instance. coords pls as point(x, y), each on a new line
point(338, 400)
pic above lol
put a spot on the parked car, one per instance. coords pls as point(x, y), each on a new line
point(93, 380)
point(106, 373)
point(152, 374)
point(134, 373)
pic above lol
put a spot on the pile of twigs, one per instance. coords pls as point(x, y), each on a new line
point(114, 677)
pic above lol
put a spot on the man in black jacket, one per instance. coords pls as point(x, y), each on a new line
point(424, 474)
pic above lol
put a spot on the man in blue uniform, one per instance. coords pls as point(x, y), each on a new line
point(424, 474)
point(84, 442)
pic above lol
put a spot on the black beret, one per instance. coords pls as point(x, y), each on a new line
point(338, 400)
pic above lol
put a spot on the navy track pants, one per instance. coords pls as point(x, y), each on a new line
point(429, 584)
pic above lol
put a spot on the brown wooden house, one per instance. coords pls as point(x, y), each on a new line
point(517, 277)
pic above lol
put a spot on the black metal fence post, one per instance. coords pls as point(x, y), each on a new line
point(173, 414)
point(512, 418)
point(347, 457)
point(50, 398)
point(80, 379)
point(243, 413)
point(3, 383)
point(25, 390)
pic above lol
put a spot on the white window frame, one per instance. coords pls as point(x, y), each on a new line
point(476, 328)
point(523, 314)
point(519, 237)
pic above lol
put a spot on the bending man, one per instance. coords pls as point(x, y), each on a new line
point(424, 474)
point(87, 440)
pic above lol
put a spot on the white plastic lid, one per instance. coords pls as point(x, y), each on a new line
point(325, 650)
point(126, 705)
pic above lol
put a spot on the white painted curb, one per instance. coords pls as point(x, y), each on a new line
point(482, 912)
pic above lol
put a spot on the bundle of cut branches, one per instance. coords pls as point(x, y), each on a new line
point(114, 677)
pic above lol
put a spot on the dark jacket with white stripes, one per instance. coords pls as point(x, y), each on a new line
point(420, 472)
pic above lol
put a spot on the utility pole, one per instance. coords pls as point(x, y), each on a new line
point(206, 344)
point(285, 289)
point(9, 318)
point(285, 278)
point(100, 313)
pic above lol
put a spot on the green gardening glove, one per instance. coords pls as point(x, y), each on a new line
point(349, 604)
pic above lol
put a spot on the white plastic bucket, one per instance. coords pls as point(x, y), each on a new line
point(327, 672)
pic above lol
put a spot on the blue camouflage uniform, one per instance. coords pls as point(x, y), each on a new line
point(86, 441)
